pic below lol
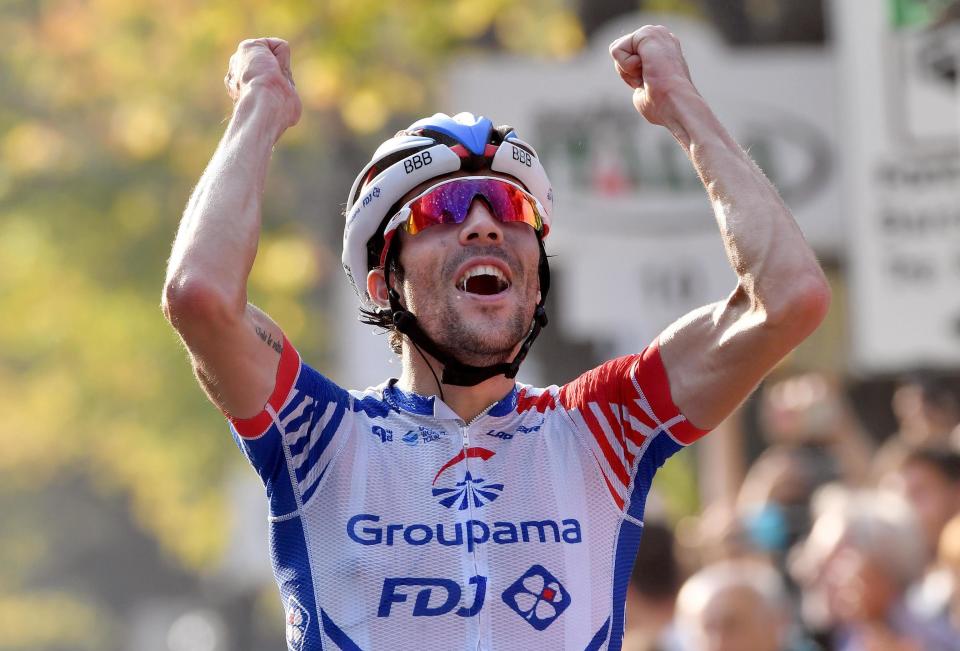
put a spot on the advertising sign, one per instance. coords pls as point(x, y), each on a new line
point(898, 65)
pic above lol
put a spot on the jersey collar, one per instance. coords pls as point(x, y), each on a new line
point(415, 403)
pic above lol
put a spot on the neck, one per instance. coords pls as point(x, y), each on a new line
point(466, 402)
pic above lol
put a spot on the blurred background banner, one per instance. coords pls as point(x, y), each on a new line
point(901, 111)
point(131, 522)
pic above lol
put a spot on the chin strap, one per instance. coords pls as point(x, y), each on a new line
point(455, 372)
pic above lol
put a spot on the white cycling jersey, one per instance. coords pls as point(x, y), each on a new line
point(396, 525)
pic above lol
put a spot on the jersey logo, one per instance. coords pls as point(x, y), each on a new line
point(526, 429)
point(538, 597)
point(383, 434)
point(297, 621)
point(424, 434)
point(434, 596)
point(470, 491)
point(476, 491)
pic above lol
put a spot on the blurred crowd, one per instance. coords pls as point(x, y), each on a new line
point(836, 540)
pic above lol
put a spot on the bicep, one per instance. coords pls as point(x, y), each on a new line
point(716, 355)
point(236, 363)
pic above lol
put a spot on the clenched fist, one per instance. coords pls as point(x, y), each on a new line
point(650, 61)
point(262, 65)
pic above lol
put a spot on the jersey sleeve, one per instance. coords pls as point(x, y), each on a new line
point(631, 425)
point(293, 440)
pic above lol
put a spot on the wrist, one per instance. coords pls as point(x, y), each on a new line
point(688, 116)
point(263, 108)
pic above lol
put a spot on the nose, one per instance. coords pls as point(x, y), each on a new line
point(480, 226)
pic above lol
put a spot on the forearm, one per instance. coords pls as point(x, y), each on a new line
point(773, 262)
point(217, 240)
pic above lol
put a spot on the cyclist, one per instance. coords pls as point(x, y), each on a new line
point(454, 507)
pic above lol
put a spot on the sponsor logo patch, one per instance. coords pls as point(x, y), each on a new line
point(526, 429)
point(298, 619)
point(383, 434)
point(434, 596)
point(477, 491)
point(469, 491)
point(538, 597)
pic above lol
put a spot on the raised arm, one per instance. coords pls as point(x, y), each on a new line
point(716, 355)
point(234, 347)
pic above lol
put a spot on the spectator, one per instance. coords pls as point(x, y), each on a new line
point(929, 478)
point(774, 500)
point(856, 565)
point(733, 606)
point(926, 411)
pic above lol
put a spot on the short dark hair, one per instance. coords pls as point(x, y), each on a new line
point(944, 460)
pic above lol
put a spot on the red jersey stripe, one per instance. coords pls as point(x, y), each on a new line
point(542, 402)
point(286, 375)
point(655, 384)
point(613, 459)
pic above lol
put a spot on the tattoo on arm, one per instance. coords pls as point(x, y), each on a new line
point(268, 339)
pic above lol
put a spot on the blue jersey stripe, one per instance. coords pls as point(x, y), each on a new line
point(298, 397)
point(291, 567)
point(318, 448)
point(599, 638)
point(338, 636)
point(626, 553)
point(305, 498)
point(661, 448)
point(309, 412)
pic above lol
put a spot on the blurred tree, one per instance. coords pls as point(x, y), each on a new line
point(110, 112)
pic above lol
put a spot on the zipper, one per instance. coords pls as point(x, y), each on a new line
point(482, 620)
point(465, 427)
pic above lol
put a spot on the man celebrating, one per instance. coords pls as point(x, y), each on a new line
point(455, 508)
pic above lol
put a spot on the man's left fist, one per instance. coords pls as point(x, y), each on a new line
point(650, 61)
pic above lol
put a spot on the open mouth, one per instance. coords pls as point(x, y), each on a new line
point(485, 280)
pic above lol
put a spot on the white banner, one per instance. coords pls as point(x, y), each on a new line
point(898, 70)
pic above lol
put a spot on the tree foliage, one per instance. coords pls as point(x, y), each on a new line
point(110, 112)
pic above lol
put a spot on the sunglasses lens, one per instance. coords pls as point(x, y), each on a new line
point(450, 203)
point(446, 204)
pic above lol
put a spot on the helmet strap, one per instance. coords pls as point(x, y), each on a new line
point(455, 372)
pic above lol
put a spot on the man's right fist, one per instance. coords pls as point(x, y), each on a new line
point(263, 65)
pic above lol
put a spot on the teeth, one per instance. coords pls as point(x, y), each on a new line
point(481, 270)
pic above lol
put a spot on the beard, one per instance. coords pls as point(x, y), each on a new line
point(492, 338)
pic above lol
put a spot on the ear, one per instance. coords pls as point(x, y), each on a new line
point(377, 288)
